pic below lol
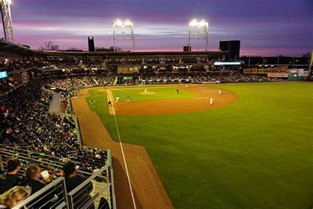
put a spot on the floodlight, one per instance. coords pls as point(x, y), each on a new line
point(203, 23)
point(193, 23)
point(118, 23)
point(8, 1)
point(5, 10)
point(200, 29)
point(196, 23)
point(123, 29)
point(128, 23)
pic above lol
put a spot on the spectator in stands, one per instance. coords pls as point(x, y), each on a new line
point(10, 179)
point(73, 180)
point(13, 196)
point(33, 178)
point(71, 177)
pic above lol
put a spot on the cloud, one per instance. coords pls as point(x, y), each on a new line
point(162, 24)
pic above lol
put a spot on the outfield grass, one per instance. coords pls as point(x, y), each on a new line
point(256, 153)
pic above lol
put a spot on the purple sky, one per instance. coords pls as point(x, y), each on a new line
point(265, 27)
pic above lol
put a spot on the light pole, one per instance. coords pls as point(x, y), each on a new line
point(123, 30)
point(200, 29)
point(5, 9)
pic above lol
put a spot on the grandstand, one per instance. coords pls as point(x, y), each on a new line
point(50, 140)
point(45, 135)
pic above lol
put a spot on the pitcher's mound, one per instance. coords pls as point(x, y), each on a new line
point(147, 92)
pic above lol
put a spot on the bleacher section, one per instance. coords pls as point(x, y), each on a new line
point(31, 133)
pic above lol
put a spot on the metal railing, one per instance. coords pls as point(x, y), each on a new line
point(54, 195)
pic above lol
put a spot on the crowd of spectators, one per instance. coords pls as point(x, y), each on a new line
point(25, 121)
point(73, 84)
point(18, 63)
point(7, 85)
point(222, 76)
point(11, 64)
point(147, 59)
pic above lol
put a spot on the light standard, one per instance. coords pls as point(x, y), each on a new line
point(200, 29)
point(122, 30)
point(5, 9)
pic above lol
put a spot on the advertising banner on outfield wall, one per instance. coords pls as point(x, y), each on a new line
point(127, 69)
point(295, 71)
point(261, 71)
point(277, 75)
point(296, 74)
point(305, 73)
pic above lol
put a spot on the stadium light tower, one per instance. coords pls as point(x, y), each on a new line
point(5, 9)
point(199, 29)
point(123, 30)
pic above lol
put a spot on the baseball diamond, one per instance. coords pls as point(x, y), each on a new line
point(185, 153)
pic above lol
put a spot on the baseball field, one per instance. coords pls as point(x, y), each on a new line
point(252, 148)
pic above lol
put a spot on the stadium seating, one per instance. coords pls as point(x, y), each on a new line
point(49, 140)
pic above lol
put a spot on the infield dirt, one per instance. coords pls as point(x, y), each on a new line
point(199, 103)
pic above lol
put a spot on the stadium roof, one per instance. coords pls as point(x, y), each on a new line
point(8, 48)
point(133, 54)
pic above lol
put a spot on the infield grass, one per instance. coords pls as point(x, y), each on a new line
point(254, 154)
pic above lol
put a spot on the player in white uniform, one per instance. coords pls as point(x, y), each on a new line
point(117, 99)
point(211, 101)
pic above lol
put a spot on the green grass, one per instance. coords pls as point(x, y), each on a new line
point(256, 153)
point(100, 105)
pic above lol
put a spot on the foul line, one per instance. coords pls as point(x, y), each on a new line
point(110, 98)
point(123, 154)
